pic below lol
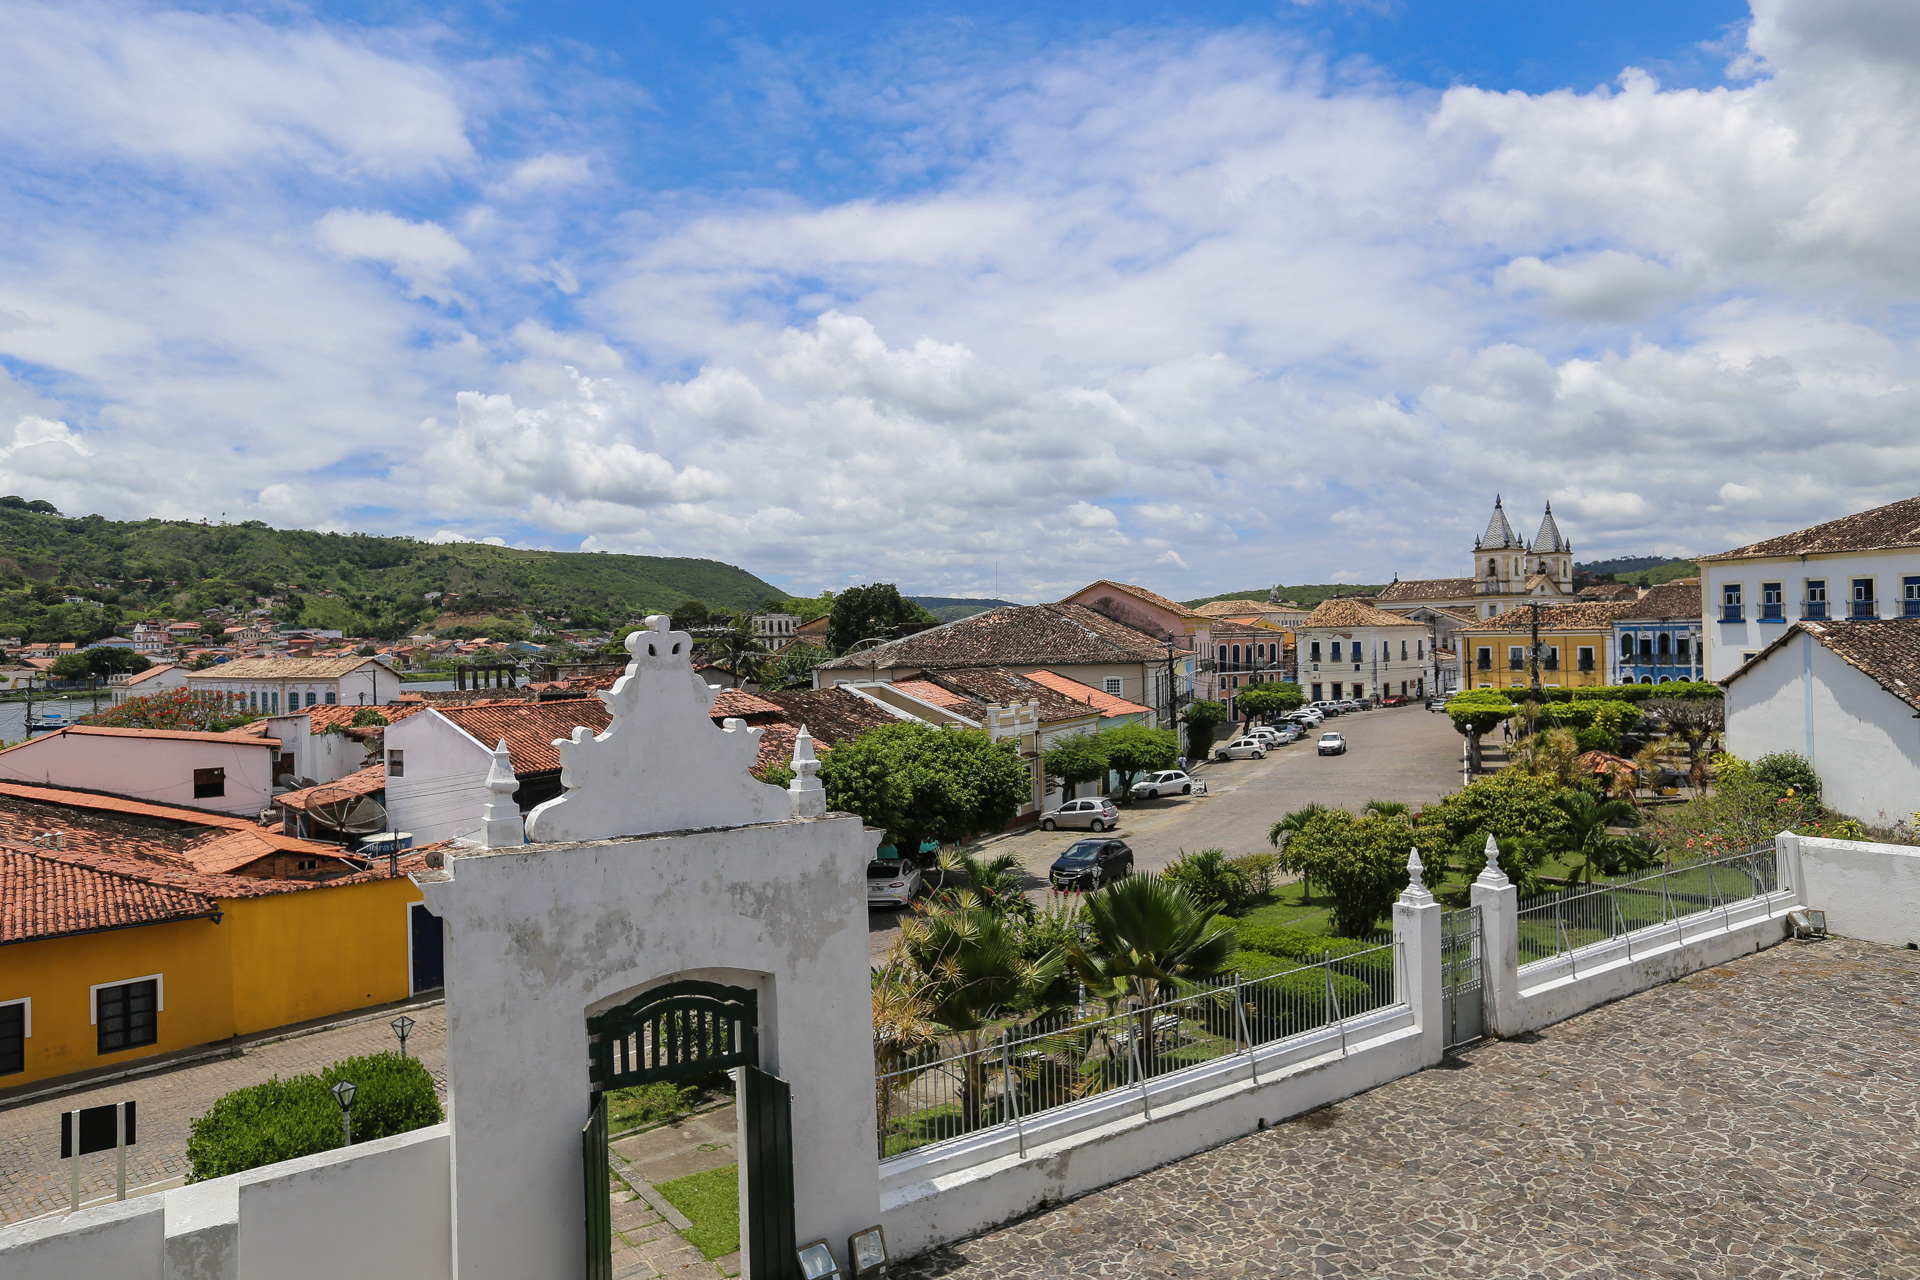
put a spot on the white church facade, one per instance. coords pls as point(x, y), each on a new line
point(1507, 570)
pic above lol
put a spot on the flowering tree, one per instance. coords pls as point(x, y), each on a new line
point(177, 709)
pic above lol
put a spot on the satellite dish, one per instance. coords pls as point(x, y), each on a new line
point(352, 815)
point(300, 784)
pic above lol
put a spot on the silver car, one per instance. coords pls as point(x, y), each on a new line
point(1243, 749)
point(1095, 814)
point(891, 882)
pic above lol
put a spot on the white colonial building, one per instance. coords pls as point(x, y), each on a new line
point(1855, 568)
point(1349, 649)
point(1846, 697)
point(290, 684)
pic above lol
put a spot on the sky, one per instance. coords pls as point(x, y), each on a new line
point(1204, 297)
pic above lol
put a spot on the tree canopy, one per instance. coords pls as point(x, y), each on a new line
point(924, 783)
point(863, 613)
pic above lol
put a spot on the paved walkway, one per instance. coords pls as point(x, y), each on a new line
point(1757, 1120)
point(645, 1243)
point(33, 1179)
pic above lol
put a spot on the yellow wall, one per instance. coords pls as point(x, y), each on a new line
point(269, 962)
point(196, 996)
point(306, 955)
point(1569, 676)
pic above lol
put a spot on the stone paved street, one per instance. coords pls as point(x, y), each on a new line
point(1397, 753)
point(33, 1179)
point(1761, 1119)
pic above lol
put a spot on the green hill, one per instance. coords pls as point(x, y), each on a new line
point(1641, 571)
point(358, 583)
point(952, 608)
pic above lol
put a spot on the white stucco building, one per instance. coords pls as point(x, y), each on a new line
point(1857, 567)
point(273, 684)
point(153, 680)
point(224, 772)
point(1349, 649)
point(1845, 695)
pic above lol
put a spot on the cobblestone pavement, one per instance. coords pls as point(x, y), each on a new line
point(33, 1179)
point(1397, 753)
point(1755, 1120)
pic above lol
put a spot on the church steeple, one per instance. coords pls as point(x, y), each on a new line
point(1499, 535)
point(1548, 541)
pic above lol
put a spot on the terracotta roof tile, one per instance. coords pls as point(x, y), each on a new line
point(322, 718)
point(530, 728)
point(1418, 590)
point(1895, 525)
point(361, 782)
point(743, 706)
point(832, 716)
point(1233, 608)
point(1885, 650)
point(1013, 635)
point(1590, 615)
point(148, 674)
point(1106, 704)
point(47, 897)
point(1668, 600)
point(281, 669)
point(1346, 611)
point(1141, 593)
point(928, 691)
point(236, 738)
point(1004, 687)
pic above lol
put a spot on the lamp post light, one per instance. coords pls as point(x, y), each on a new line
point(401, 1026)
point(343, 1094)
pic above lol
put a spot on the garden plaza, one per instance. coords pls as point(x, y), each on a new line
point(668, 915)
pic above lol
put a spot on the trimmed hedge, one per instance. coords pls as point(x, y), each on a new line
point(284, 1119)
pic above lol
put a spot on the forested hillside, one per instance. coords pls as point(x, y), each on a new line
point(357, 583)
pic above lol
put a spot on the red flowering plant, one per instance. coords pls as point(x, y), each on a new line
point(177, 709)
point(1741, 810)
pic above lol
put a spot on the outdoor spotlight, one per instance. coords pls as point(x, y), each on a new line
point(401, 1025)
point(867, 1254)
point(343, 1094)
point(816, 1262)
point(1807, 923)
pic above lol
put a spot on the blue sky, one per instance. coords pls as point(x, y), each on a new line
point(1200, 296)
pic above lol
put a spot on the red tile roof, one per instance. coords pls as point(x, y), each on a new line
point(998, 685)
point(1895, 525)
point(832, 716)
point(743, 706)
point(1343, 612)
point(237, 738)
point(361, 782)
point(322, 718)
point(1014, 635)
point(1106, 704)
point(1419, 590)
point(928, 691)
point(43, 896)
point(530, 728)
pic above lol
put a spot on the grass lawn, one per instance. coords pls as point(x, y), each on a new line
point(1287, 906)
point(711, 1201)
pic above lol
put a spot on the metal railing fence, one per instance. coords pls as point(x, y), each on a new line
point(1003, 1076)
point(1557, 924)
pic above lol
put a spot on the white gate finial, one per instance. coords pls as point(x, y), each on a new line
point(809, 797)
point(1492, 876)
point(501, 826)
point(1415, 894)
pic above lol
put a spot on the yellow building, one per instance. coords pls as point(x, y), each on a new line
point(105, 960)
point(1575, 642)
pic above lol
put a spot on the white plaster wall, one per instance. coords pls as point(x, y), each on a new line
point(540, 935)
point(1869, 891)
point(120, 1241)
point(445, 783)
point(1862, 741)
point(171, 678)
point(384, 1210)
point(1726, 641)
point(157, 770)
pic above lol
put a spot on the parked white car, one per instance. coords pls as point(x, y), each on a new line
point(1243, 749)
point(1333, 744)
point(891, 882)
point(1167, 782)
point(1094, 814)
point(1307, 716)
point(1275, 737)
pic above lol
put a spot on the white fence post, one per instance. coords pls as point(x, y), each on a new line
point(1417, 967)
point(1499, 904)
point(1786, 864)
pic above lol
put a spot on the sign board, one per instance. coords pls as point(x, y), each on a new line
point(96, 1130)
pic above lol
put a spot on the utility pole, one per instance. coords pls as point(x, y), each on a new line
point(1173, 700)
point(1537, 694)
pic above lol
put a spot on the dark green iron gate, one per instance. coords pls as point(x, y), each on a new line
point(593, 1168)
point(769, 1242)
point(672, 1032)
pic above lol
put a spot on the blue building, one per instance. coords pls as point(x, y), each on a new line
point(1656, 639)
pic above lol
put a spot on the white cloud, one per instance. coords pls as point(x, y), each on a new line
point(422, 253)
point(548, 172)
point(445, 536)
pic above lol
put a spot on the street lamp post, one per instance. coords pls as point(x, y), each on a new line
point(401, 1026)
point(343, 1094)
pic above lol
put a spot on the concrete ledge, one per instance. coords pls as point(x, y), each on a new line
point(121, 1240)
point(967, 1188)
point(1554, 990)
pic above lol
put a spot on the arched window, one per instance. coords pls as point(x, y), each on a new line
point(1646, 679)
point(1493, 570)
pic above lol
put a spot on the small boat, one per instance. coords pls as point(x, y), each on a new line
point(48, 720)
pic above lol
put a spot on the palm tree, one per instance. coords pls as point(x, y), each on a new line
point(972, 978)
point(739, 649)
point(903, 1027)
point(1144, 934)
point(995, 882)
point(1284, 830)
point(1386, 808)
point(1587, 843)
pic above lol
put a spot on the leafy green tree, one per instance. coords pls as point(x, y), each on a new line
point(690, 614)
point(973, 978)
point(1075, 760)
point(738, 649)
point(1587, 845)
point(1510, 805)
point(1476, 712)
point(1144, 934)
point(1277, 698)
point(1201, 716)
point(1133, 749)
point(924, 783)
point(71, 666)
point(114, 659)
point(1784, 773)
point(1362, 863)
point(792, 667)
point(1281, 833)
point(862, 613)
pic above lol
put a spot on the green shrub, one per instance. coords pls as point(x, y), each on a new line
point(1594, 738)
point(1208, 877)
point(284, 1119)
point(1783, 771)
point(1257, 870)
